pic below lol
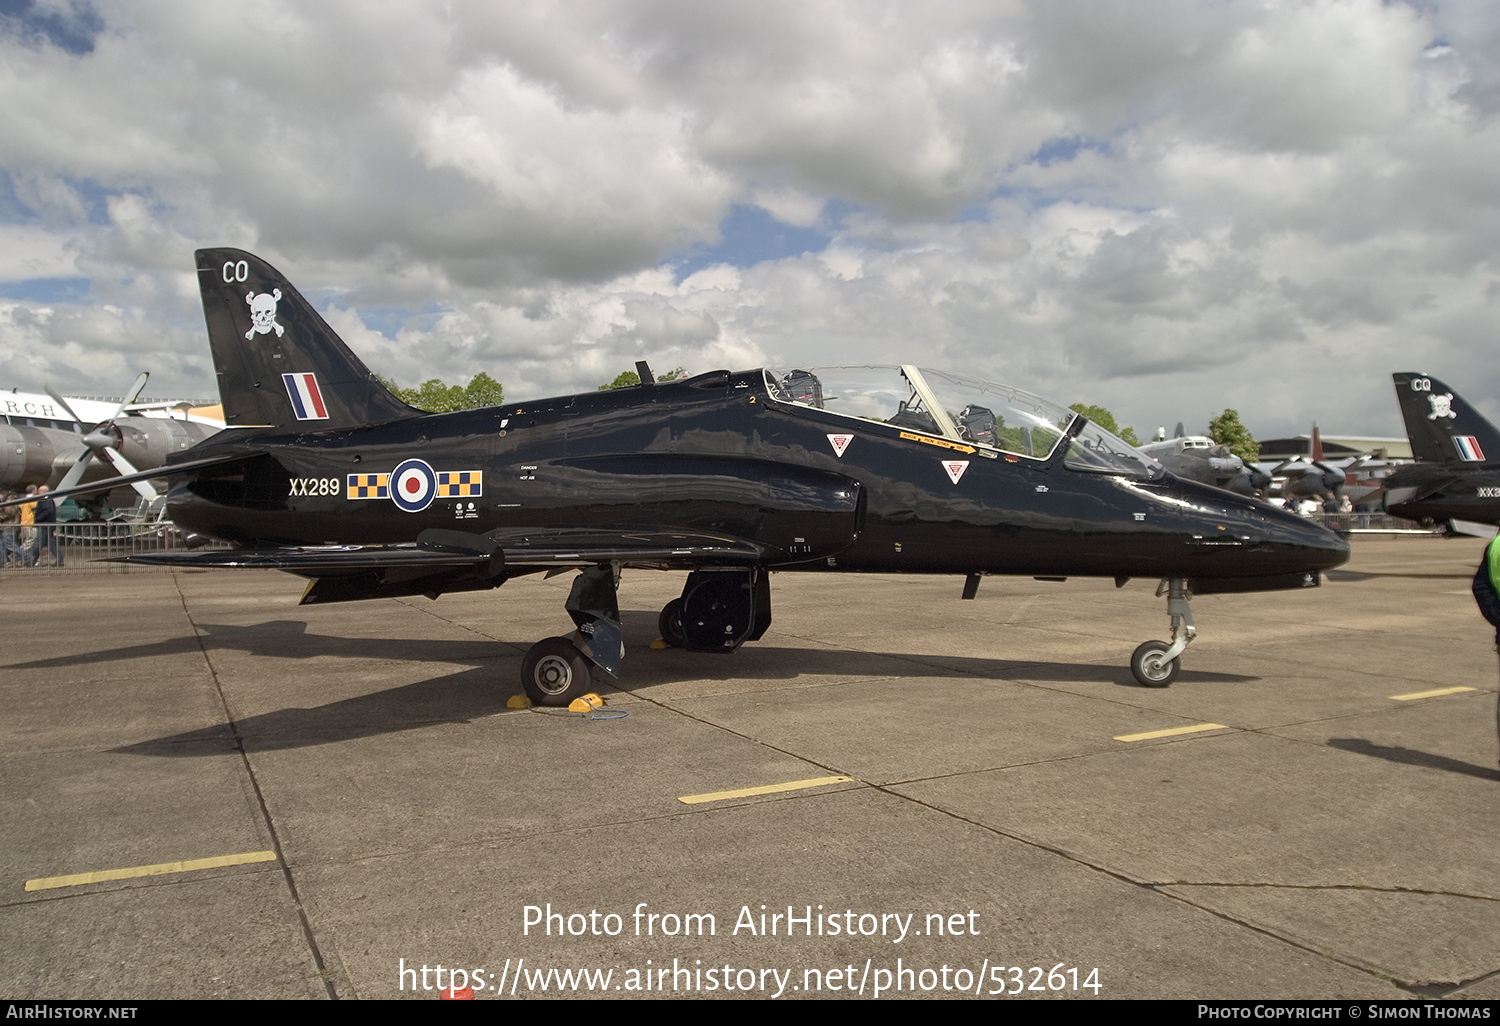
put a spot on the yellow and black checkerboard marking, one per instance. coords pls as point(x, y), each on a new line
point(369, 486)
point(458, 484)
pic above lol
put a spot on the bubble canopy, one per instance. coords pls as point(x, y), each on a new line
point(979, 413)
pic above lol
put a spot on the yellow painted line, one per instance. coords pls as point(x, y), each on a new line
point(748, 792)
point(1172, 732)
point(45, 883)
point(1429, 694)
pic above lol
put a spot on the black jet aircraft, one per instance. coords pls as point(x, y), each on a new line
point(727, 475)
point(1457, 473)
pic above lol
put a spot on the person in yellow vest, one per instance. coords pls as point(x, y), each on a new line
point(1487, 594)
point(28, 524)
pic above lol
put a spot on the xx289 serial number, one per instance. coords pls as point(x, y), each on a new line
point(315, 486)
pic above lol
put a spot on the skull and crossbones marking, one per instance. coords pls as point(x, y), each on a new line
point(1442, 406)
point(263, 313)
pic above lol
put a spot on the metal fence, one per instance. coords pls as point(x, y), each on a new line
point(81, 545)
point(1373, 523)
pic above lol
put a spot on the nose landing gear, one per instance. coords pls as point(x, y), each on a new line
point(1155, 663)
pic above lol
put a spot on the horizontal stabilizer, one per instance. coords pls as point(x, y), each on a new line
point(143, 475)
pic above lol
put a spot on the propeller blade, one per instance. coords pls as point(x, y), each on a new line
point(59, 400)
point(130, 396)
point(76, 470)
point(122, 465)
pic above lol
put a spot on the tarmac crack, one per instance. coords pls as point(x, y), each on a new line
point(1325, 887)
point(461, 626)
point(239, 745)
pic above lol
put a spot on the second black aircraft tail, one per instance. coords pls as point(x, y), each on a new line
point(1442, 427)
point(279, 363)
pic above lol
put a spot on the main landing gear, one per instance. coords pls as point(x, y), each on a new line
point(558, 670)
point(555, 672)
point(1155, 663)
point(719, 611)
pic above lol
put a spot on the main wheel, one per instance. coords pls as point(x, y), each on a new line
point(670, 624)
point(554, 672)
point(1147, 665)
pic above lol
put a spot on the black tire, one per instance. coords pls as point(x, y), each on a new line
point(670, 624)
point(554, 672)
point(1146, 664)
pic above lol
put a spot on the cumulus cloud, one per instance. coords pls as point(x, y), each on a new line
point(1165, 208)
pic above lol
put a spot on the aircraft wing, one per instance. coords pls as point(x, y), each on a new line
point(667, 549)
point(448, 561)
point(440, 550)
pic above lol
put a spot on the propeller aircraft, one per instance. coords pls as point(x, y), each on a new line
point(59, 442)
point(727, 475)
point(1200, 458)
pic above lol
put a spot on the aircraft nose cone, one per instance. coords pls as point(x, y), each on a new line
point(1308, 546)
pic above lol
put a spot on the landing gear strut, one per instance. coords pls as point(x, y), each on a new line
point(1156, 664)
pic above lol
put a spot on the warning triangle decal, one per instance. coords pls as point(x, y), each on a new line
point(840, 443)
point(955, 468)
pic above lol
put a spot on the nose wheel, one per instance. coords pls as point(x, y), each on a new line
point(1155, 664)
point(1150, 668)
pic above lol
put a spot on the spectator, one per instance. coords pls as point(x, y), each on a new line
point(12, 552)
point(46, 532)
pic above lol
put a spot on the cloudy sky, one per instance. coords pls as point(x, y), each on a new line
point(1163, 208)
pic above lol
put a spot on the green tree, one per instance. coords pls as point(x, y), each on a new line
point(627, 378)
point(622, 380)
point(1227, 429)
point(483, 390)
point(436, 397)
point(1099, 415)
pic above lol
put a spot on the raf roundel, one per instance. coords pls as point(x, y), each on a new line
point(413, 486)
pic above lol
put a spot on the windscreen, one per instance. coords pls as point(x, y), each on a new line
point(961, 408)
point(930, 401)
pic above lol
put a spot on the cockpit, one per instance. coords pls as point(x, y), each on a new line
point(961, 409)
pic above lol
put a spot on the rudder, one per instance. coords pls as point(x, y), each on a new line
point(279, 364)
point(1442, 427)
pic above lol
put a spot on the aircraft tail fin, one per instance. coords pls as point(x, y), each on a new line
point(279, 363)
point(1443, 428)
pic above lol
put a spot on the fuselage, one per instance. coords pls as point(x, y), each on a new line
point(1437, 491)
point(724, 454)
